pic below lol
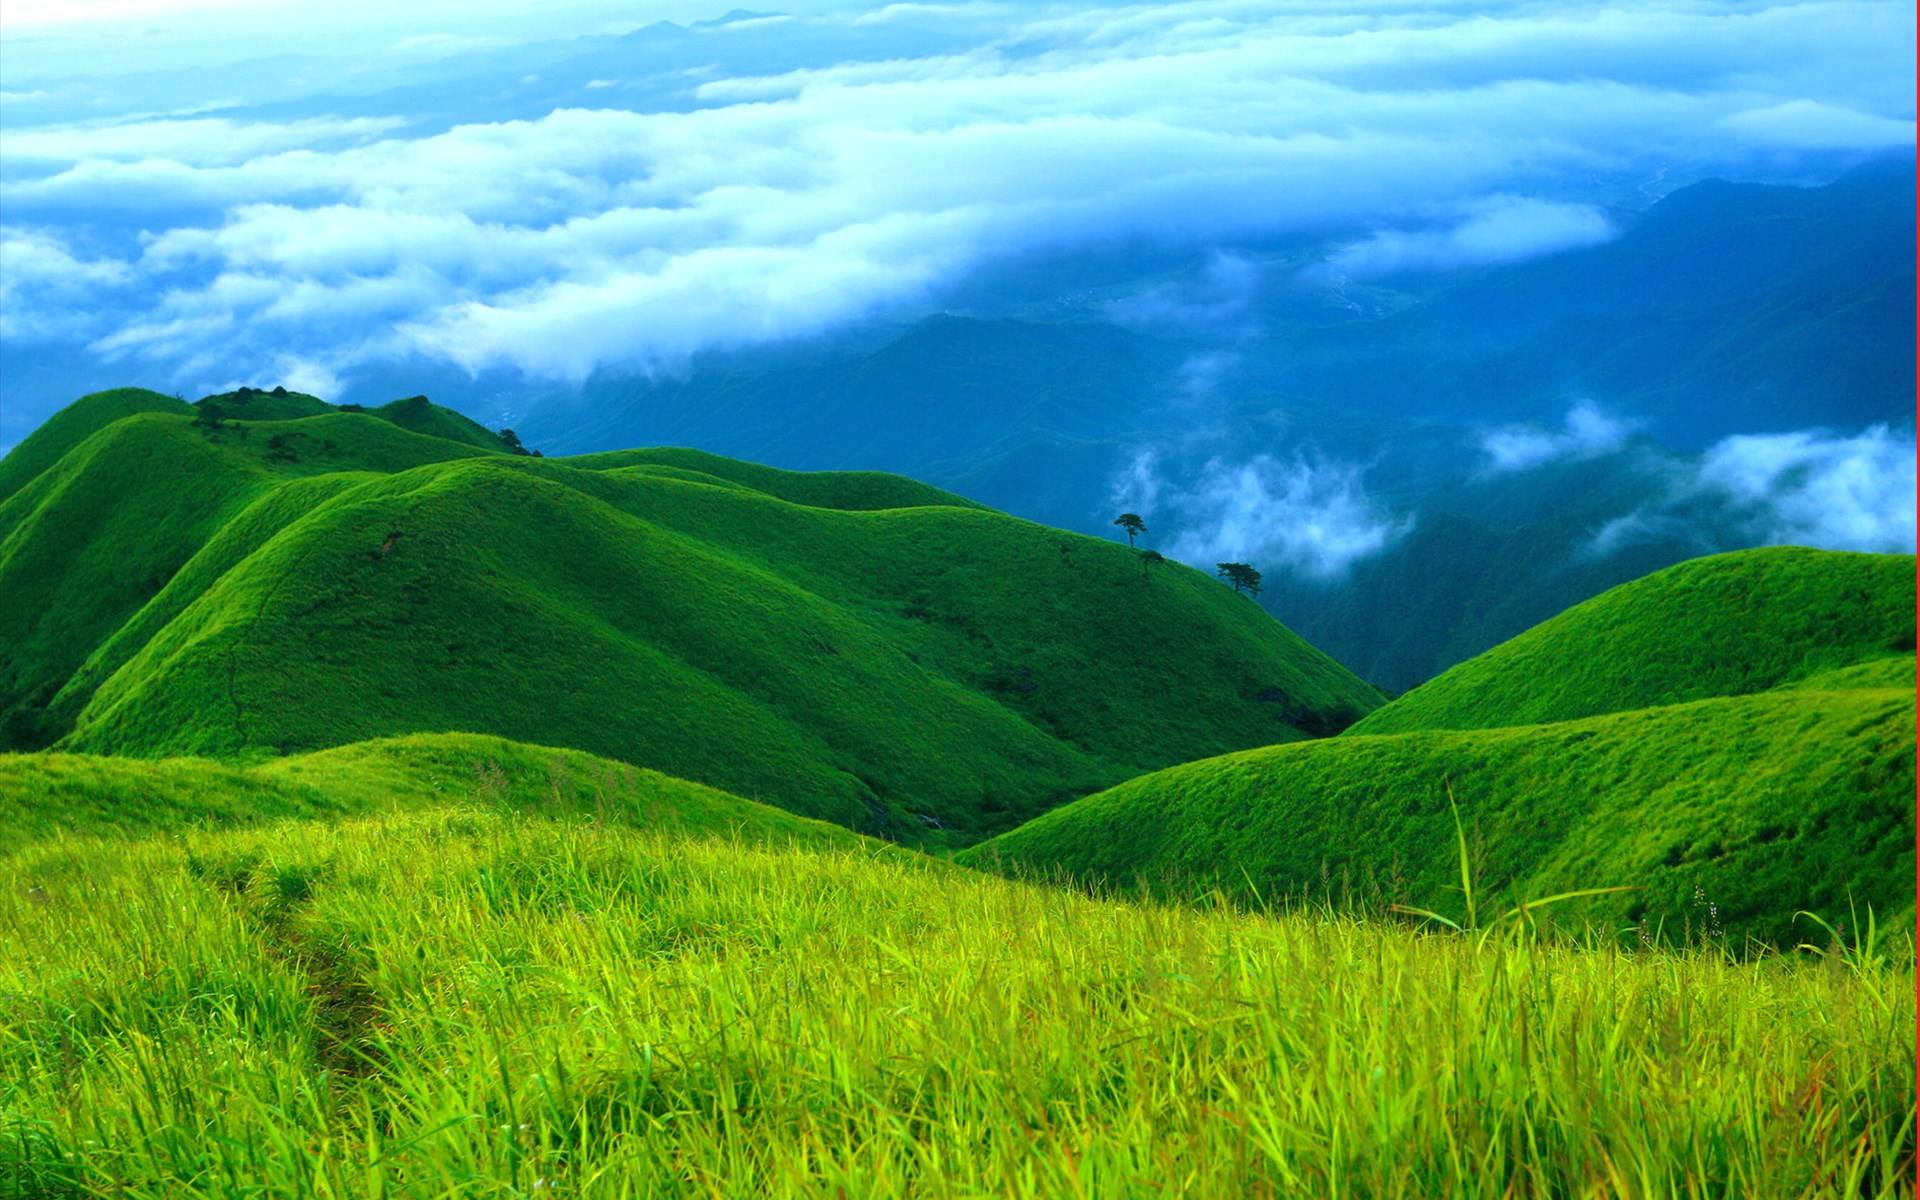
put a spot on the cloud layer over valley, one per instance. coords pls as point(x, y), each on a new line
point(583, 234)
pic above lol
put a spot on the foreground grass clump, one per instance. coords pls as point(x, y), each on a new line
point(517, 1006)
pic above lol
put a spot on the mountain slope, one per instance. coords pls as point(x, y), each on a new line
point(1724, 308)
point(866, 649)
point(75, 424)
point(1725, 625)
point(92, 537)
point(1767, 804)
point(1738, 729)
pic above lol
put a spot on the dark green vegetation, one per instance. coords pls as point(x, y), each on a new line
point(1726, 625)
point(856, 647)
point(1732, 812)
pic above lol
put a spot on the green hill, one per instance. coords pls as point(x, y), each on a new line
point(1735, 731)
point(1766, 804)
point(1726, 625)
point(75, 424)
point(93, 537)
point(78, 795)
point(417, 414)
point(848, 645)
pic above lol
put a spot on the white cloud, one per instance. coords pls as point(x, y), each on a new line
point(1587, 431)
point(1808, 488)
point(45, 285)
point(201, 142)
point(303, 375)
point(1805, 488)
point(1214, 301)
point(1810, 125)
point(1136, 485)
point(1500, 229)
point(1305, 515)
point(795, 202)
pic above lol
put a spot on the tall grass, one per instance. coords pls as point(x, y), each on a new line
point(465, 1003)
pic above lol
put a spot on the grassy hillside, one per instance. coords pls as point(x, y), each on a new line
point(1758, 805)
point(468, 1002)
point(419, 415)
point(49, 795)
point(92, 538)
point(852, 490)
point(847, 645)
point(75, 424)
point(1726, 625)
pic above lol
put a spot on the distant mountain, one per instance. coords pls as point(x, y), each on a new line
point(855, 647)
point(1753, 749)
point(1725, 308)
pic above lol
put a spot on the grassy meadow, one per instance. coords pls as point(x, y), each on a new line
point(388, 814)
point(477, 1001)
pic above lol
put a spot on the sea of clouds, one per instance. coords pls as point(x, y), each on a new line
point(589, 234)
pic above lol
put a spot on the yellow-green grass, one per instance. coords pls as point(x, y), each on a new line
point(848, 645)
point(471, 1002)
point(1724, 625)
point(46, 795)
point(1733, 813)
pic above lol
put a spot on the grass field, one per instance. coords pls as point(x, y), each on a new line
point(80, 795)
point(519, 1005)
point(351, 853)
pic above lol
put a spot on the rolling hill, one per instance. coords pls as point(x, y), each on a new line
point(1739, 809)
point(856, 647)
point(1724, 308)
point(1724, 625)
point(77, 795)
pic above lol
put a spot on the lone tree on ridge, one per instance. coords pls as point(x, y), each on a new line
point(1241, 575)
point(1132, 523)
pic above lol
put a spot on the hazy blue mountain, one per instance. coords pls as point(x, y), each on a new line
point(1723, 309)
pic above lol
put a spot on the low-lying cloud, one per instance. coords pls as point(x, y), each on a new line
point(781, 205)
point(1807, 488)
point(1302, 515)
point(1587, 431)
point(1501, 229)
